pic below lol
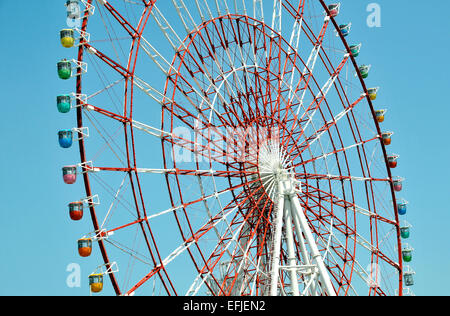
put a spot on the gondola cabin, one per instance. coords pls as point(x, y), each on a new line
point(407, 254)
point(67, 38)
point(408, 277)
point(355, 50)
point(373, 93)
point(402, 207)
point(387, 138)
point(85, 247)
point(64, 69)
point(345, 29)
point(380, 115)
point(334, 9)
point(398, 184)
point(63, 103)
point(96, 283)
point(393, 161)
point(364, 70)
point(76, 211)
point(65, 138)
point(70, 174)
point(405, 232)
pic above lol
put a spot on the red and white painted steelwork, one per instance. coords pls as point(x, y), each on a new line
point(235, 149)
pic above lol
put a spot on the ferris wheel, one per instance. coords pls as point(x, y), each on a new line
point(230, 147)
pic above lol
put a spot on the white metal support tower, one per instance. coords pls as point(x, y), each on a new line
point(289, 218)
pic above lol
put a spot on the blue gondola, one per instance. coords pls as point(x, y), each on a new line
point(65, 138)
point(402, 208)
point(345, 29)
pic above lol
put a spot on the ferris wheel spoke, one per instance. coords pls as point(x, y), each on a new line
point(244, 7)
point(309, 176)
point(108, 90)
point(213, 222)
point(113, 203)
point(241, 262)
point(135, 124)
point(110, 141)
point(152, 92)
point(308, 71)
point(219, 4)
point(360, 271)
point(120, 19)
point(198, 173)
point(185, 16)
point(205, 6)
point(109, 114)
point(230, 236)
point(105, 89)
point(125, 204)
point(294, 43)
point(109, 61)
point(131, 252)
point(343, 204)
point(177, 171)
point(318, 133)
point(219, 68)
point(164, 66)
point(335, 152)
point(354, 235)
point(318, 99)
point(219, 150)
point(167, 30)
point(212, 85)
point(220, 206)
point(139, 220)
point(160, 98)
point(201, 98)
point(225, 77)
point(206, 273)
point(364, 243)
point(202, 199)
point(325, 216)
point(310, 112)
point(159, 60)
point(258, 10)
point(201, 278)
point(326, 229)
point(277, 16)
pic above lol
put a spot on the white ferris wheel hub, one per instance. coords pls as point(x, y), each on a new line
point(273, 167)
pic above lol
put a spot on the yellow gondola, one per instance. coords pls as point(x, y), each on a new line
point(373, 93)
point(67, 38)
point(380, 114)
point(96, 282)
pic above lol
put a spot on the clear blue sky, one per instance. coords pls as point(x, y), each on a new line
point(409, 54)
